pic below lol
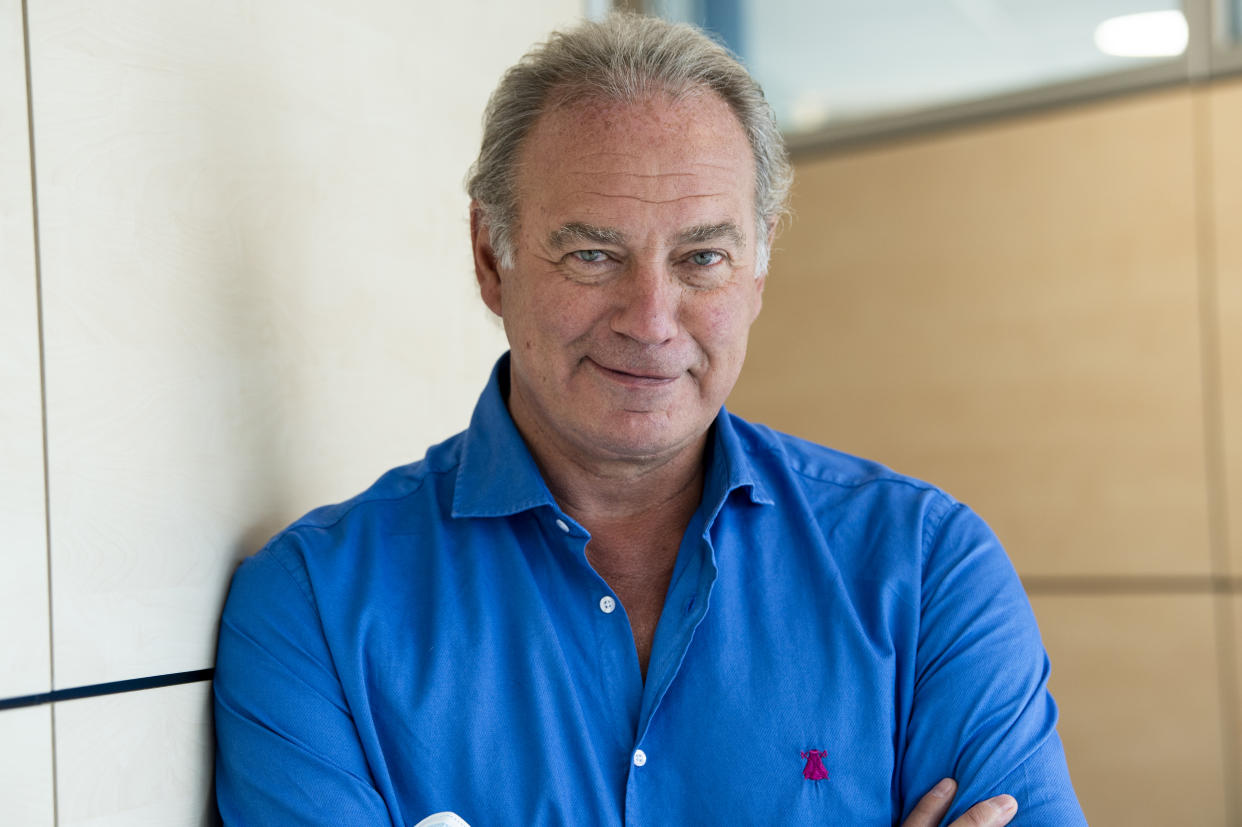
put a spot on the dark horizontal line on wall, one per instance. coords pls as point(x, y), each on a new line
point(1133, 584)
point(1039, 585)
point(113, 688)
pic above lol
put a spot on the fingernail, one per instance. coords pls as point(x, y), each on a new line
point(943, 789)
point(1007, 804)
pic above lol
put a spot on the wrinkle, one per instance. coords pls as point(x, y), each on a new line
point(645, 175)
point(590, 155)
point(279, 665)
point(654, 201)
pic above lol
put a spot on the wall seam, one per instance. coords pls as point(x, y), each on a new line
point(1213, 436)
point(38, 274)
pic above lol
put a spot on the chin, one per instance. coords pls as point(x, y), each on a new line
point(639, 437)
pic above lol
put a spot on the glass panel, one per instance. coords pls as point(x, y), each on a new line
point(823, 62)
point(1235, 21)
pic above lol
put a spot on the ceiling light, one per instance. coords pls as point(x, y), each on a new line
point(1149, 34)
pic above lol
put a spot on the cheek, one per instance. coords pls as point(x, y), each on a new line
point(552, 321)
point(576, 314)
point(723, 330)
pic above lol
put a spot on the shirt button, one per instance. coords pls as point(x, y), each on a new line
point(562, 526)
point(640, 758)
point(607, 604)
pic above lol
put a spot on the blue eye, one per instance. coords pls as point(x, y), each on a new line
point(590, 256)
point(706, 258)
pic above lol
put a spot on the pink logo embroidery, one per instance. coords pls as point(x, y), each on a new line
point(814, 769)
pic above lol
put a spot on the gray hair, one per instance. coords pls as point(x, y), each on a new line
point(624, 57)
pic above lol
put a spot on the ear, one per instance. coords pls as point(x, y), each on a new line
point(759, 285)
point(486, 265)
point(761, 281)
point(772, 227)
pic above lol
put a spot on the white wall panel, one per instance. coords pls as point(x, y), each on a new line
point(258, 293)
point(24, 650)
point(26, 796)
point(136, 759)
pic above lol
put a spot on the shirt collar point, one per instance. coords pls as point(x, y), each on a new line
point(759, 494)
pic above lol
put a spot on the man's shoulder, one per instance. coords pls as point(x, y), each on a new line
point(383, 505)
point(818, 466)
point(325, 557)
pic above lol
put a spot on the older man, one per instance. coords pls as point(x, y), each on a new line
point(609, 601)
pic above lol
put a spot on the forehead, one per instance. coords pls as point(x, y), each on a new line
point(676, 156)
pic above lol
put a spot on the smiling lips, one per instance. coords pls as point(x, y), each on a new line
point(639, 377)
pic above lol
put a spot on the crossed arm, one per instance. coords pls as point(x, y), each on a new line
point(261, 766)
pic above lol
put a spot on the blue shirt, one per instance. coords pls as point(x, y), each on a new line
point(440, 643)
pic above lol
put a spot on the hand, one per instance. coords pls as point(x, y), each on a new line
point(993, 812)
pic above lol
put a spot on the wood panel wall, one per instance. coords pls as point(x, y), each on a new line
point(1044, 315)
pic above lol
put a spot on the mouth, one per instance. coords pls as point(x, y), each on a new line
point(637, 377)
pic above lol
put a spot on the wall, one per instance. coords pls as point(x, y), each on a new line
point(1044, 315)
point(237, 286)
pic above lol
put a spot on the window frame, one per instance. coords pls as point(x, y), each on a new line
point(1210, 53)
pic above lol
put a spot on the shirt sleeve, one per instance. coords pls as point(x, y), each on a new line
point(981, 711)
point(287, 748)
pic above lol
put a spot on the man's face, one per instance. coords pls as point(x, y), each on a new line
point(634, 284)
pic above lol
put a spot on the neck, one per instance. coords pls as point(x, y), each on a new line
point(636, 510)
point(609, 491)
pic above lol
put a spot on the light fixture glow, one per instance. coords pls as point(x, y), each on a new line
point(1148, 34)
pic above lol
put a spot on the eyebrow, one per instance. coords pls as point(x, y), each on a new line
point(705, 233)
point(578, 232)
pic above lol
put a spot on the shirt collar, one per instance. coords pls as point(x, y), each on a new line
point(498, 476)
point(729, 468)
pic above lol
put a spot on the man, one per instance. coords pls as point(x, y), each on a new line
point(610, 601)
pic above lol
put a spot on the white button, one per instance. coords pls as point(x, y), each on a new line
point(607, 604)
point(561, 525)
point(640, 758)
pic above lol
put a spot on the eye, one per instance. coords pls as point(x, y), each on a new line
point(590, 256)
point(706, 258)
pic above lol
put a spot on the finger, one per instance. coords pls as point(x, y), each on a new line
point(994, 812)
point(932, 807)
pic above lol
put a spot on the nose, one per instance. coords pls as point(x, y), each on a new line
point(648, 302)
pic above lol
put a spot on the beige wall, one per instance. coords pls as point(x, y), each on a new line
point(1043, 315)
point(1223, 179)
point(256, 297)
